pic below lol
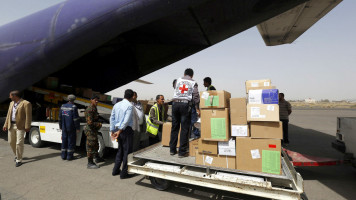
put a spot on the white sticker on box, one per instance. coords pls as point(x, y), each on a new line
point(227, 152)
point(262, 116)
point(255, 153)
point(254, 84)
point(209, 160)
point(266, 83)
point(255, 112)
point(270, 108)
point(205, 95)
point(239, 130)
point(255, 97)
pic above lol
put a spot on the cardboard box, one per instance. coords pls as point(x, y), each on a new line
point(51, 83)
point(166, 134)
point(215, 125)
point(207, 147)
point(269, 96)
point(240, 131)
point(216, 161)
point(254, 84)
point(261, 88)
point(238, 111)
point(266, 130)
point(87, 93)
point(258, 155)
point(214, 99)
point(263, 112)
point(227, 148)
point(193, 147)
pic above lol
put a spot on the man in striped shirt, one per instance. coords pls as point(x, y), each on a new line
point(285, 109)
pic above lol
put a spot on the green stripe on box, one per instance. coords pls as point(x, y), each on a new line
point(271, 162)
point(214, 102)
point(218, 128)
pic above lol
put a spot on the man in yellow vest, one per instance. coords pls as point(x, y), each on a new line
point(155, 120)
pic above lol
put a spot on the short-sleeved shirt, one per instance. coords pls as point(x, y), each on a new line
point(284, 106)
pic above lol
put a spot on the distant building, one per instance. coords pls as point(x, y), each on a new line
point(309, 100)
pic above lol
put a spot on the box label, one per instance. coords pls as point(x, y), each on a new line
point(254, 84)
point(209, 160)
point(270, 108)
point(239, 131)
point(255, 112)
point(255, 154)
point(227, 151)
point(212, 101)
point(218, 128)
point(271, 161)
point(205, 95)
point(255, 97)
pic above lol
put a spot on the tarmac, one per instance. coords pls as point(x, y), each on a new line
point(44, 175)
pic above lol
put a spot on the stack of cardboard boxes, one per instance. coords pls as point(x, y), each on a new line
point(239, 133)
point(261, 152)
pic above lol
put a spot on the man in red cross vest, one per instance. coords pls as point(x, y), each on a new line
point(186, 96)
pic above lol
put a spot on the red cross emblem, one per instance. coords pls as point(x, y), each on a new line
point(183, 89)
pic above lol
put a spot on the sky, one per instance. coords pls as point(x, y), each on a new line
point(320, 64)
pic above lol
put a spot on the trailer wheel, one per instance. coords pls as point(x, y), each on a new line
point(35, 137)
point(101, 150)
point(160, 184)
point(304, 196)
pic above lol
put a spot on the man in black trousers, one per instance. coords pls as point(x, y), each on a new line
point(185, 96)
point(121, 123)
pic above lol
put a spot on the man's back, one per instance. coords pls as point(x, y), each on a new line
point(121, 115)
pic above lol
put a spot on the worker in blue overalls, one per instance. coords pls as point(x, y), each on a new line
point(70, 125)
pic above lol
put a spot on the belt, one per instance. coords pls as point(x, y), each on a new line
point(181, 101)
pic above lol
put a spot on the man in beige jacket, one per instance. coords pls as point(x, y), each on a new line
point(18, 122)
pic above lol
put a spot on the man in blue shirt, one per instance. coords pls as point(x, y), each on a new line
point(121, 123)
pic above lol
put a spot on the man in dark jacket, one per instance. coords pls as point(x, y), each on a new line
point(70, 125)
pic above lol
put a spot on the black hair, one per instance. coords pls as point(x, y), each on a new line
point(208, 80)
point(16, 93)
point(282, 94)
point(158, 96)
point(189, 72)
point(95, 96)
point(128, 94)
point(174, 83)
point(135, 93)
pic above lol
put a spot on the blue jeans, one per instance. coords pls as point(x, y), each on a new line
point(194, 119)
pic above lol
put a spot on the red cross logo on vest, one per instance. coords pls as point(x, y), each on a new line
point(183, 89)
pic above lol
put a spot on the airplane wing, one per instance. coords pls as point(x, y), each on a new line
point(142, 81)
point(108, 43)
point(288, 26)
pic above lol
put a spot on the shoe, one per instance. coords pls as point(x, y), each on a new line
point(116, 173)
point(92, 166)
point(70, 159)
point(98, 160)
point(183, 155)
point(15, 159)
point(18, 164)
point(126, 176)
point(172, 153)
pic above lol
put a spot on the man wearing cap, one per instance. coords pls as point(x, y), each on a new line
point(91, 131)
point(70, 125)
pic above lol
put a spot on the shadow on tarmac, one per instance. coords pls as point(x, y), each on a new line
point(338, 178)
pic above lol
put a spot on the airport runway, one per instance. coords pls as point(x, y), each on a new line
point(45, 176)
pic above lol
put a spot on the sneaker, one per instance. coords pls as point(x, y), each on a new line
point(126, 176)
point(183, 155)
point(18, 164)
point(172, 153)
point(15, 159)
point(92, 166)
point(98, 160)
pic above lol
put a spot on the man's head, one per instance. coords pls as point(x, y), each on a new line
point(129, 94)
point(281, 96)
point(134, 98)
point(160, 99)
point(71, 98)
point(15, 95)
point(174, 83)
point(207, 81)
point(94, 100)
point(189, 72)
